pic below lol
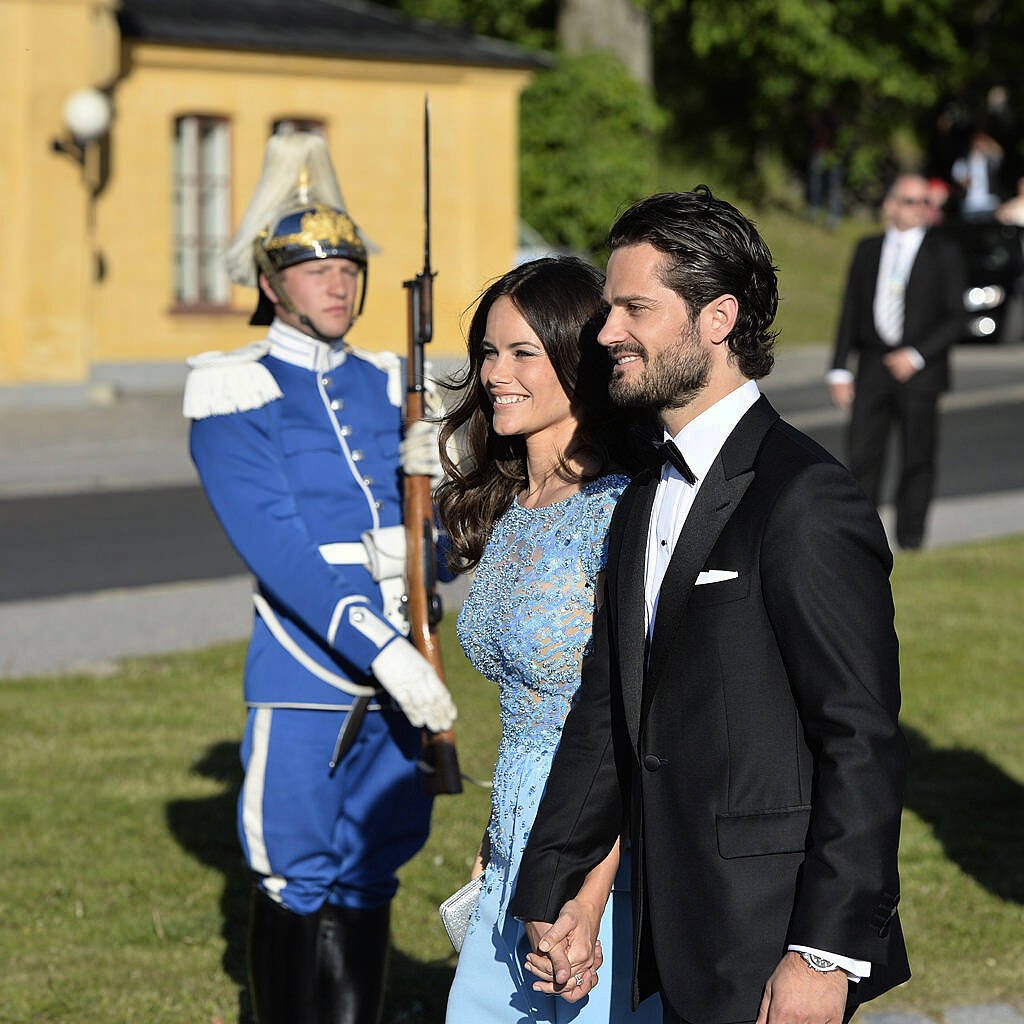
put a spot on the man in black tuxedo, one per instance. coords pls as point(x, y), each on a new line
point(737, 717)
point(902, 311)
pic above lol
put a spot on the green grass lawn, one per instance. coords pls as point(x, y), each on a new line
point(124, 895)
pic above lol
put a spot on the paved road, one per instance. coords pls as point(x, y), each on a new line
point(111, 549)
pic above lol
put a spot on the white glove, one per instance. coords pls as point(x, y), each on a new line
point(419, 451)
point(414, 685)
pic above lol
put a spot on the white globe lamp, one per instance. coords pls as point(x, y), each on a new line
point(87, 113)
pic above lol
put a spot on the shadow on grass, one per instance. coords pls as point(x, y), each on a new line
point(975, 810)
point(206, 829)
point(417, 991)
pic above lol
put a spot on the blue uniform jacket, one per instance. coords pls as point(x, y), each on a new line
point(296, 443)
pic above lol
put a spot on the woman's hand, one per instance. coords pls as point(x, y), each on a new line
point(482, 857)
point(567, 956)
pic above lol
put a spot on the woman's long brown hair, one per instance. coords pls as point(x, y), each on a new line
point(560, 298)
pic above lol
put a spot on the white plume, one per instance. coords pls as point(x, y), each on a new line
point(278, 192)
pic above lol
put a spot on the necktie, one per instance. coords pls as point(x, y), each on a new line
point(893, 309)
point(668, 452)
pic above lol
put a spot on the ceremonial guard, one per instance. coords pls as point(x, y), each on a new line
point(298, 440)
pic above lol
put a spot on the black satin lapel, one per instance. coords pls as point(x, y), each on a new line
point(715, 503)
point(630, 614)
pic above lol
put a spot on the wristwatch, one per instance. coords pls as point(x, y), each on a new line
point(818, 963)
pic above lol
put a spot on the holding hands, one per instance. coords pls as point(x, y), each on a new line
point(566, 955)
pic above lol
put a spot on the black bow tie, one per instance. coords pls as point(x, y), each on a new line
point(667, 451)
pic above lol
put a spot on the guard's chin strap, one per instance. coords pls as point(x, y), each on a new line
point(314, 330)
point(285, 300)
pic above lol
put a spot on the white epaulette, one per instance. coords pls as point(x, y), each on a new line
point(225, 382)
point(390, 364)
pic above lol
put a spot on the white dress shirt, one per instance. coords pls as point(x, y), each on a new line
point(700, 442)
point(899, 250)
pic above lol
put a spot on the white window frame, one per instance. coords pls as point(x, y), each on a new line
point(202, 210)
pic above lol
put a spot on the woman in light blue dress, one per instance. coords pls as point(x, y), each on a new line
point(528, 506)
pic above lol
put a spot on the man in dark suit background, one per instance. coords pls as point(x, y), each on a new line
point(737, 717)
point(902, 311)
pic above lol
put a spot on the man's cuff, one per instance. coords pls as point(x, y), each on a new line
point(856, 970)
point(915, 357)
point(358, 631)
point(838, 377)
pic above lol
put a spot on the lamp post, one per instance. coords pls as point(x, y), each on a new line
point(87, 117)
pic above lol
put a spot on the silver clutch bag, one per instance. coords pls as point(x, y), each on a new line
point(457, 910)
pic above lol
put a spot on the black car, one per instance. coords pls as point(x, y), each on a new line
point(994, 258)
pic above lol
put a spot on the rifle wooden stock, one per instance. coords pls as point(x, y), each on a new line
point(418, 516)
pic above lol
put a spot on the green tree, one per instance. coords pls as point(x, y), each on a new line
point(587, 148)
point(527, 22)
point(759, 71)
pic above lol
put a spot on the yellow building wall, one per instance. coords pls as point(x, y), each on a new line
point(48, 49)
point(373, 117)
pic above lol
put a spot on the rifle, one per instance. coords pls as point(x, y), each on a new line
point(424, 606)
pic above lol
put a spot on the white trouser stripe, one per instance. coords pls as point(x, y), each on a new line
point(252, 806)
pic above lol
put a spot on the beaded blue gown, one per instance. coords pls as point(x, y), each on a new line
point(525, 625)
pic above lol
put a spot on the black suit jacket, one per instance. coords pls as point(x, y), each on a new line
point(934, 310)
point(756, 762)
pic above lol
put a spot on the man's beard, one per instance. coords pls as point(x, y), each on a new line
point(671, 379)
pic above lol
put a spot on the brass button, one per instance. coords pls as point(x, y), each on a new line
point(357, 455)
point(338, 404)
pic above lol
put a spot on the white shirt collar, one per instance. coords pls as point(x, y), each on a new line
point(291, 345)
point(912, 237)
point(702, 438)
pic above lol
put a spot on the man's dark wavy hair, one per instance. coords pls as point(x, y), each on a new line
point(711, 250)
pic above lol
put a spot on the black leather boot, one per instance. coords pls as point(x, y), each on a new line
point(282, 963)
point(352, 959)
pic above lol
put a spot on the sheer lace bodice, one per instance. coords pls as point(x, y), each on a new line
point(526, 625)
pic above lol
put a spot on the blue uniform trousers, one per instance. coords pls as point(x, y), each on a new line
point(316, 837)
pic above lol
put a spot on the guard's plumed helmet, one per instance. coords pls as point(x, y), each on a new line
point(313, 232)
point(297, 214)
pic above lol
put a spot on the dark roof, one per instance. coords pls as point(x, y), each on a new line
point(337, 28)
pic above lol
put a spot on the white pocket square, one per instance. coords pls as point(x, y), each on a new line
point(715, 576)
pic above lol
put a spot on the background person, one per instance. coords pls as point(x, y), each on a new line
point(902, 311)
point(938, 197)
point(297, 442)
point(740, 704)
point(529, 509)
point(977, 174)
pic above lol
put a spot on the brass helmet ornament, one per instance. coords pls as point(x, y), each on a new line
point(296, 215)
